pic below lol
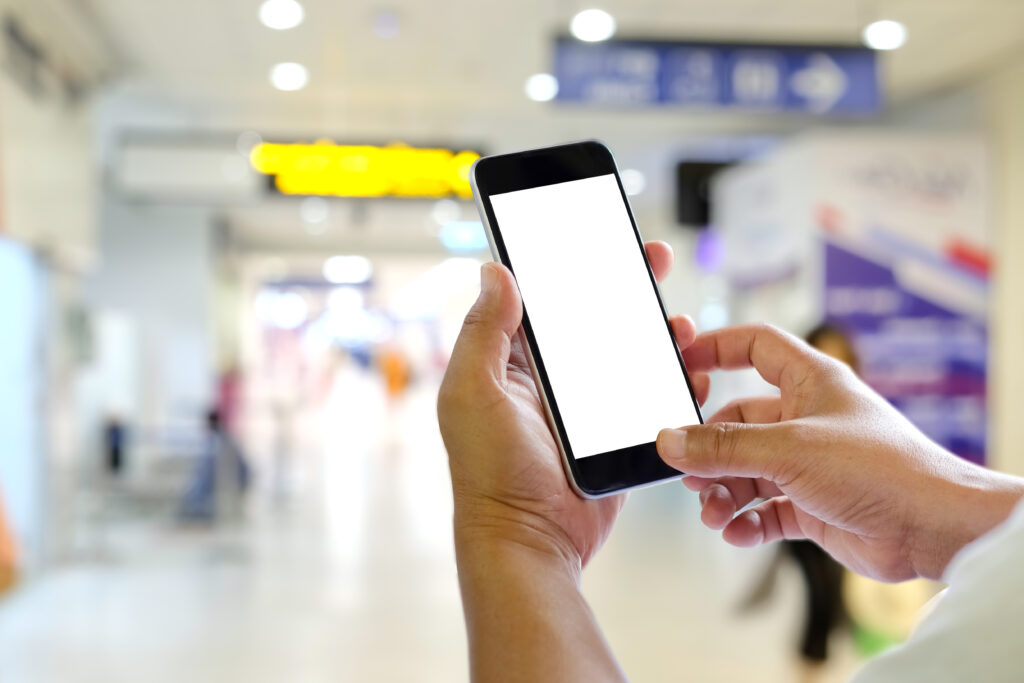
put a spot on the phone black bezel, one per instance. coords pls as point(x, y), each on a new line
point(603, 473)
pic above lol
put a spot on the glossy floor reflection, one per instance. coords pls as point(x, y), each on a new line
point(343, 570)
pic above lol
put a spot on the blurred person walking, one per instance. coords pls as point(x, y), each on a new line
point(221, 476)
point(114, 438)
point(822, 576)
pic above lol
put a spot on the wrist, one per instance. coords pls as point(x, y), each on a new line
point(485, 528)
point(974, 501)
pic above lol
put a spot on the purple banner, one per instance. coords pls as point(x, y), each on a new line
point(927, 360)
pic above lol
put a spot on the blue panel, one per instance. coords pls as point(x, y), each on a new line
point(806, 79)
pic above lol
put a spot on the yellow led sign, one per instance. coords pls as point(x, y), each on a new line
point(324, 168)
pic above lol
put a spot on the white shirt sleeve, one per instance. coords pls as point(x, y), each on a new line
point(975, 633)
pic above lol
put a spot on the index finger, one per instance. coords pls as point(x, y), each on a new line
point(659, 255)
point(780, 358)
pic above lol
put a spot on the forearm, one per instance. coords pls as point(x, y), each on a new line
point(525, 616)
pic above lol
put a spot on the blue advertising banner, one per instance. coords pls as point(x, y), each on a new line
point(788, 78)
point(927, 360)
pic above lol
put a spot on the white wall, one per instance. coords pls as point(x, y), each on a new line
point(155, 276)
point(1004, 107)
point(22, 370)
point(48, 188)
point(992, 105)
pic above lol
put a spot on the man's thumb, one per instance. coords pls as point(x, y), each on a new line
point(485, 339)
point(719, 449)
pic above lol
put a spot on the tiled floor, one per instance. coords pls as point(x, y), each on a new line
point(352, 578)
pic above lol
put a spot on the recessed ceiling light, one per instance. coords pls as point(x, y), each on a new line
point(541, 87)
point(281, 14)
point(885, 35)
point(289, 76)
point(593, 25)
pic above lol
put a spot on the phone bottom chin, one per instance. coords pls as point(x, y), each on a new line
point(627, 468)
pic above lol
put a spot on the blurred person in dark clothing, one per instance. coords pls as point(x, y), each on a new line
point(220, 471)
point(833, 342)
point(114, 438)
point(822, 576)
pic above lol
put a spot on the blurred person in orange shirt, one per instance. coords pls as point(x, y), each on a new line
point(8, 554)
point(394, 365)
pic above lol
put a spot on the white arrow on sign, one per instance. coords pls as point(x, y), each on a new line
point(821, 82)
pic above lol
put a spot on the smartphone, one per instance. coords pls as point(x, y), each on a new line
point(597, 336)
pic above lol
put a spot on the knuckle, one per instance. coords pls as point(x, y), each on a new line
point(770, 330)
point(475, 317)
point(723, 442)
point(784, 464)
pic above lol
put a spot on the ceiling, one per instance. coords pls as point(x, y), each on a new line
point(455, 72)
point(467, 53)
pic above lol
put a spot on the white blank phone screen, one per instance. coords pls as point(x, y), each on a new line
point(599, 330)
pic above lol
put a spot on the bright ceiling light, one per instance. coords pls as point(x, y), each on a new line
point(541, 87)
point(281, 15)
point(885, 35)
point(289, 76)
point(286, 310)
point(633, 181)
point(348, 270)
point(593, 25)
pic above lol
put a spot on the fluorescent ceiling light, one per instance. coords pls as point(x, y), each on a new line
point(348, 270)
point(281, 15)
point(286, 310)
point(593, 25)
point(289, 76)
point(885, 35)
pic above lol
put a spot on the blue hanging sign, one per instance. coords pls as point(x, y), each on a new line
point(789, 78)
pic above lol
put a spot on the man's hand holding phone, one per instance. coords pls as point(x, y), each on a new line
point(506, 471)
point(522, 534)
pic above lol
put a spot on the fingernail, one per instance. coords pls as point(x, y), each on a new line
point(672, 444)
point(488, 278)
point(703, 495)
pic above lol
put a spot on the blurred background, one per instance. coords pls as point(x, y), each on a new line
point(237, 242)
